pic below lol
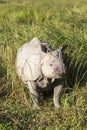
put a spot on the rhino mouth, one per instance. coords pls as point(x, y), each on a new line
point(59, 74)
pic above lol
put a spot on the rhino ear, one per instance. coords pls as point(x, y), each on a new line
point(45, 47)
point(59, 54)
point(63, 48)
point(61, 51)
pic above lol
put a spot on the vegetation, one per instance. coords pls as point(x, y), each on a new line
point(57, 23)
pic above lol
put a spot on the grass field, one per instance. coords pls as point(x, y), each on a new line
point(57, 22)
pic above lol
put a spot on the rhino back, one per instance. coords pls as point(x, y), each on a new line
point(28, 62)
point(27, 49)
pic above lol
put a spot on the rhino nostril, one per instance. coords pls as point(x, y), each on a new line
point(58, 70)
point(51, 65)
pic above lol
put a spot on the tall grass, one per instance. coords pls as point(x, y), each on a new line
point(57, 23)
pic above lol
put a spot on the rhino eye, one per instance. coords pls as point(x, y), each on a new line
point(51, 65)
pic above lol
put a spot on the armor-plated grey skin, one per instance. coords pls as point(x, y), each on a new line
point(40, 69)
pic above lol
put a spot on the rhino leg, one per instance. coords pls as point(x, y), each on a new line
point(34, 93)
point(56, 96)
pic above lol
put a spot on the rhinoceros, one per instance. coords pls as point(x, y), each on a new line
point(41, 69)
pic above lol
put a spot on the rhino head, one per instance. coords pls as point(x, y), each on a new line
point(52, 65)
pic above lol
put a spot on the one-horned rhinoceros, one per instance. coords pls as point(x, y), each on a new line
point(41, 69)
